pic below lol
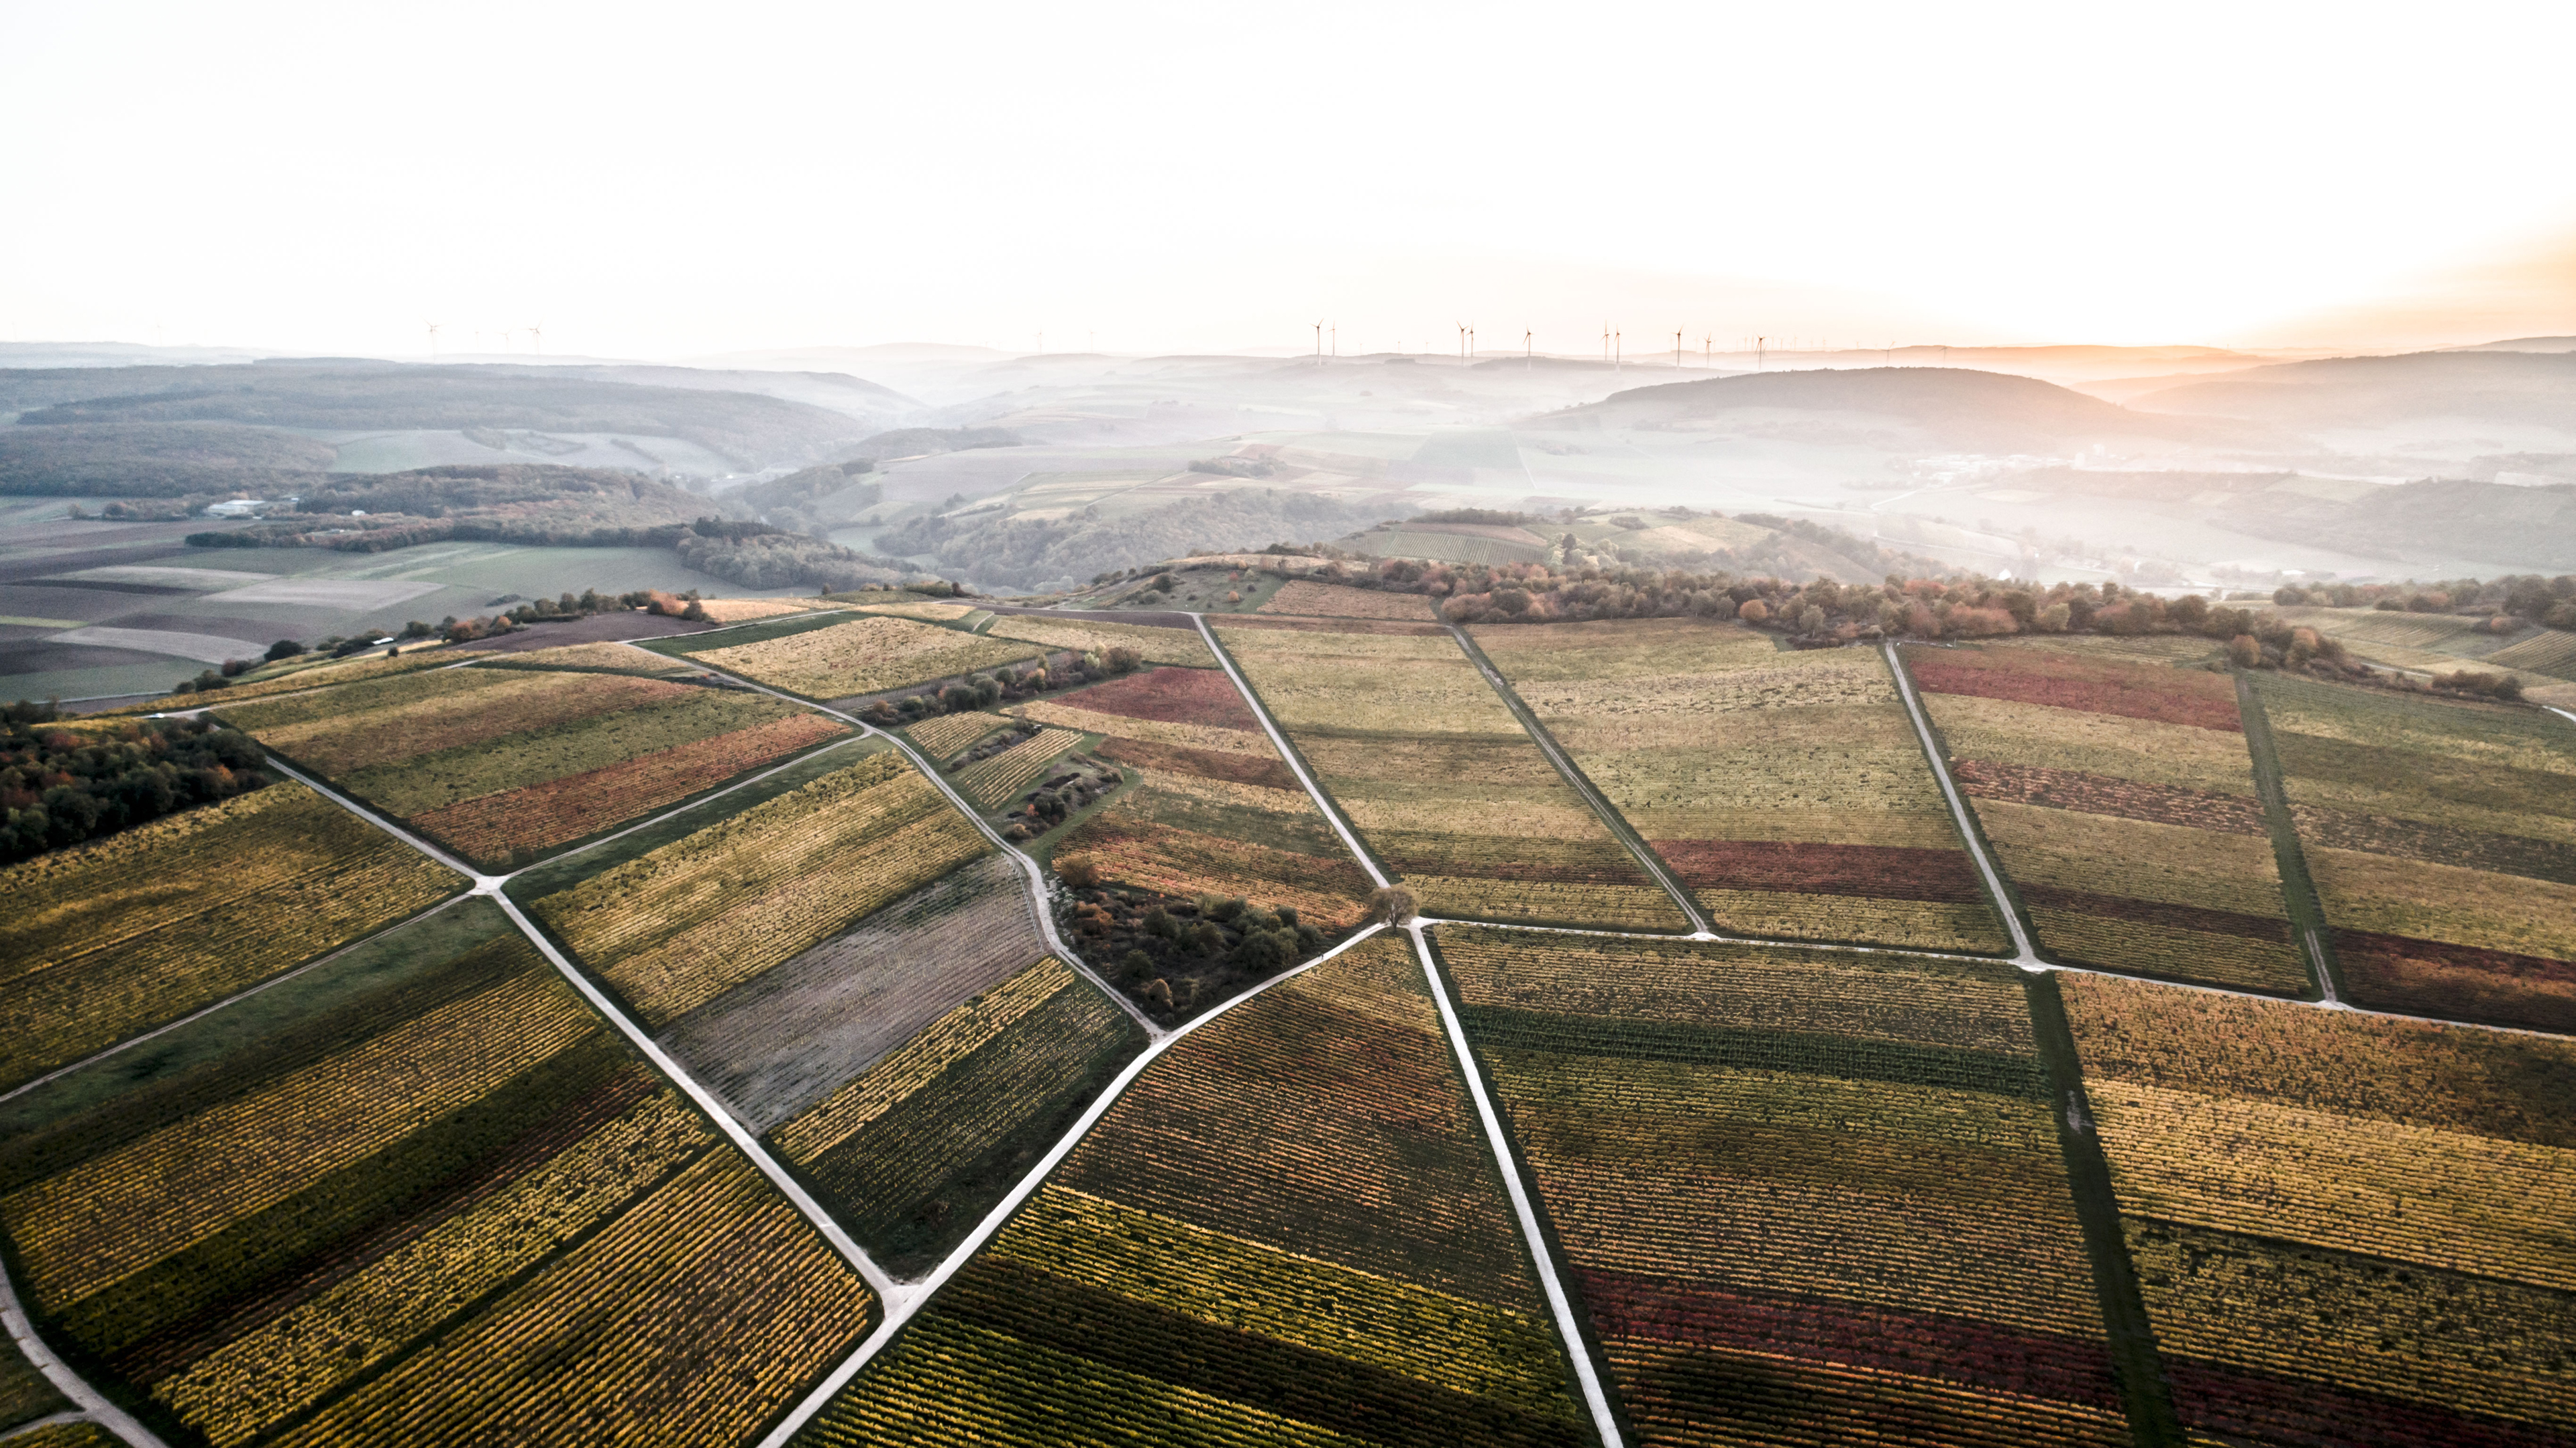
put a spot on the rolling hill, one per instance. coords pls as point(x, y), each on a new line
point(1944, 406)
point(2526, 388)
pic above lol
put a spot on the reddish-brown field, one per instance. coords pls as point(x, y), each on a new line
point(1887, 872)
point(2067, 681)
point(488, 829)
point(1171, 696)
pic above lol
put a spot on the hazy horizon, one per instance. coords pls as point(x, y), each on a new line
point(1151, 180)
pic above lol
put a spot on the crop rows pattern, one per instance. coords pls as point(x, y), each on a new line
point(916, 1150)
point(1288, 1231)
point(2348, 1229)
point(1323, 600)
point(949, 733)
point(493, 762)
point(347, 671)
point(2442, 838)
point(1785, 790)
point(147, 925)
point(1157, 645)
point(425, 1197)
point(1806, 1198)
point(492, 828)
point(1215, 810)
point(794, 1034)
point(865, 656)
point(2120, 800)
point(680, 926)
point(992, 782)
point(1438, 777)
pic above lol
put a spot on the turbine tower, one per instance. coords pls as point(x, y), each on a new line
point(1677, 349)
point(1525, 349)
point(1760, 345)
point(537, 338)
point(433, 340)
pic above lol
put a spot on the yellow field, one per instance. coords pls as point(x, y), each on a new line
point(866, 656)
point(133, 930)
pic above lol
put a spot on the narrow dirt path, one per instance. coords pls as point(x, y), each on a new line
point(2023, 955)
point(1615, 822)
point(2298, 888)
point(919, 1294)
point(1039, 899)
point(1551, 1283)
point(1587, 1372)
point(93, 1404)
point(1296, 762)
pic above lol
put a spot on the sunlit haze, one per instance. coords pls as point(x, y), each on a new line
point(666, 182)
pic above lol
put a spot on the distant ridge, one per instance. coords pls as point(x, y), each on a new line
point(1958, 407)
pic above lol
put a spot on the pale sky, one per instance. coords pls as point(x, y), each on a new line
point(662, 181)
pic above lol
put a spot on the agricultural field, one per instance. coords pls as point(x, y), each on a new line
point(1806, 1197)
point(298, 675)
point(603, 658)
point(2550, 651)
point(1155, 645)
point(992, 781)
point(1787, 791)
point(683, 924)
point(1325, 600)
point(864, 656)
point(1214, 810)
point(24, 1393)
point(1438, 778)
point(2120, 798)
point(2442, 838)
point(419, 1194)
point(2348, 1229)
point(501, 764)
point(913, 1151)
point(1289, 1230)
point(946, 734)
point(115, 937)
point(750, 610)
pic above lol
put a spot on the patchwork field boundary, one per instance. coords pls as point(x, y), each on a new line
point(1288, 752)
point(2298, 888)
point(234, 999)
point(2136, 1359)
point(1036, 873)
point(1966, 821)
point(1617, 823)
point(897, 1316)
point(94, 1404)
point(878, 1280)
point(1581, 1350)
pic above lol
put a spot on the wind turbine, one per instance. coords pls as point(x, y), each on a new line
point(1319, 341)
point(1707, 353)
point(1462, 344)
point(1677, 349)
point(537, 338)
point(1760, 345)
point(1605, 341)
point(1471, 344)
point(1525, 349)
point(433, 340)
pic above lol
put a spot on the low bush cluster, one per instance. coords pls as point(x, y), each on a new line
point(1173, 953)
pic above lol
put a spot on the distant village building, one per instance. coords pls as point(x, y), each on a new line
point(236, 508)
